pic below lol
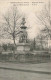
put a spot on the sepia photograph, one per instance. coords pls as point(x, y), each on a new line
point(25, 39)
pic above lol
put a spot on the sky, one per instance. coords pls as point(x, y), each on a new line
point(29, 9)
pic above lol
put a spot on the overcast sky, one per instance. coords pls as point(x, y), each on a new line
point(30, 10)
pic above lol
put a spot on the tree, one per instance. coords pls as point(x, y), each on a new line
point(45, 18)
point(5, 47)
point(39, 42)
point(11, 23)
point(33, 45)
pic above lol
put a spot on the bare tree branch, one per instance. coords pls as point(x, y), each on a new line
point(12, 22)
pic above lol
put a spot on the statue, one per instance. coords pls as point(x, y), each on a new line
point(23, 32)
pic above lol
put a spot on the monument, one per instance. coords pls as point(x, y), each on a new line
point(23, 46)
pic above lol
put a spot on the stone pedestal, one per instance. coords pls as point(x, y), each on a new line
point(22, 48)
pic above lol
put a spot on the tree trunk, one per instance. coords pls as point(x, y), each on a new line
point(14, 48)
point(14, 42)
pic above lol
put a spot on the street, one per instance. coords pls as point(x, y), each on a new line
point(16, 75)
point(21, 72)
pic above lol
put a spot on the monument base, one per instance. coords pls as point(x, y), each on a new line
point(22, 48)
